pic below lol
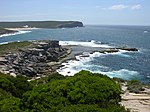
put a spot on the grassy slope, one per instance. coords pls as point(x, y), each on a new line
point(14, 46)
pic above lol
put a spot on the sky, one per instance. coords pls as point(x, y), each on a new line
point(96, 12)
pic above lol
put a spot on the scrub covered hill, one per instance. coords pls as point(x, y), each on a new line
point(41, 24)
point(83, 92)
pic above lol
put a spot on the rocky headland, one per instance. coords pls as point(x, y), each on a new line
point(33, 61)
point(41, 24)
point(37, 58)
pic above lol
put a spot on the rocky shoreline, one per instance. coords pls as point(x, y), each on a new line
point(6, 31)
point(135, 101)
point(44, 57)
point(35, 61)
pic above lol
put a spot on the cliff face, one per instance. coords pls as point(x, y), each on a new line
point(71, 25)
point(42, 24)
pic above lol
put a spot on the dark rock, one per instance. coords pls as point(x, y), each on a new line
point(113, 50)
point(71, 25)
point(28, 71)
point(109, 51)
point(35, 60)
point(129, 49)
point(42, 59)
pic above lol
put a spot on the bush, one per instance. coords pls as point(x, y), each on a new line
point(83, 92)
point(135, 86)
point(15, 86)
point(92, 108)
point(10, 105)
point(83, 88)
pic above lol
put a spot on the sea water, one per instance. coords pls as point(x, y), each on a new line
point(123, 64)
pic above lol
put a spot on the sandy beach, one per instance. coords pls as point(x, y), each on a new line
point(19, 29)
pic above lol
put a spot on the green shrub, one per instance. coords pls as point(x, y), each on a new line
point(10, 105)
point(83, 88)
point(135, 86)
point(83, 92)
point(15, 86)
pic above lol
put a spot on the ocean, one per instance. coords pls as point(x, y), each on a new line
point(123, 64)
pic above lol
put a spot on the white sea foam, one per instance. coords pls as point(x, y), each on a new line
point(122, 53)
point(122, 73)
point(4, 43)
point(17, 33)
point(92, 43)
point(73, 66)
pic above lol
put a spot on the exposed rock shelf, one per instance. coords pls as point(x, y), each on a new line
point(136, 102)
point(114, 50)
point(33, 61)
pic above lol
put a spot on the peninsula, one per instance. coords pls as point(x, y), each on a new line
point(41, 24)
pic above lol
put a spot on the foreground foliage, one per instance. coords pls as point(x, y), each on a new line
point(84, 92)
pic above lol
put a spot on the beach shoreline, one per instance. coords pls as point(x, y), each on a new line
point(20, 29)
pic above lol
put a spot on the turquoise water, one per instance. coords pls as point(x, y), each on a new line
point(127, 65)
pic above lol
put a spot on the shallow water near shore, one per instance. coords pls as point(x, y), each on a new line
point(126, 65)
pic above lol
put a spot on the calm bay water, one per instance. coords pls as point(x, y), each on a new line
point(127, 65)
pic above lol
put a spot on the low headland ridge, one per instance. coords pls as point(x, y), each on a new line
point(41, 24)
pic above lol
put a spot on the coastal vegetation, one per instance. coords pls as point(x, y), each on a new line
point(84, 92)
point(13, 47)
point(136, 86)
point(41, 24)
point(52, 92)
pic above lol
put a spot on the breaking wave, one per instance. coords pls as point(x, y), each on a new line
point(82, 62)
point(91, 43)
point(17, 33)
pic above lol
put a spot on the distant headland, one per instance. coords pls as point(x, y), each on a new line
point(41, 24)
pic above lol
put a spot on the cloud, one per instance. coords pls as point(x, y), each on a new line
point(138, 6)
point(121, 7)
point(118, 7)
